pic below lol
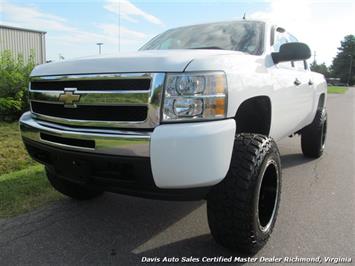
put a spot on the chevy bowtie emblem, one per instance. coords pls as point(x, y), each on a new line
point(69, 98)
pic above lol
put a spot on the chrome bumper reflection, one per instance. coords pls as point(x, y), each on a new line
point(112, 142)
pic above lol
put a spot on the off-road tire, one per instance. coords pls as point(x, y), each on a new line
point(71, 189)
point(235, 216)
point(313, 136)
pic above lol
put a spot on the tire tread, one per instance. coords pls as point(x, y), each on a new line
point(230, 214)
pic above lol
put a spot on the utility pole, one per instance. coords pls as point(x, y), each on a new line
point(119, 26)
point(314, 57)
point(99, 44)
point(350, 68)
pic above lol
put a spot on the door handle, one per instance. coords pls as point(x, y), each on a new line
point(297, 82)
point(310, 82)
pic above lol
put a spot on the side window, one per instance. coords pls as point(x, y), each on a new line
point(280, 37)
point(291, 38)
point(299, 65)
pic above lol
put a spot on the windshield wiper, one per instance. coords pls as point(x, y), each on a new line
point(208, 47)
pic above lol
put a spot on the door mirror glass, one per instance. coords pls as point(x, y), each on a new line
point(292, 51)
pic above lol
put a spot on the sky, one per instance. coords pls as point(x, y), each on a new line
point(74, 27)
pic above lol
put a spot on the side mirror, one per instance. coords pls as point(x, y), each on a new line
point(292, 51)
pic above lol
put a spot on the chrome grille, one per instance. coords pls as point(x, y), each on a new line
point(110, 84)
point(105, 100)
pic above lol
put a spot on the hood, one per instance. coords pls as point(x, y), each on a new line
point(140, 61)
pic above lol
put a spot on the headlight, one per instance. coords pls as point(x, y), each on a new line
point(195, 96)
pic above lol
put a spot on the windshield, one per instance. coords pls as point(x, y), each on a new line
point(244, 36)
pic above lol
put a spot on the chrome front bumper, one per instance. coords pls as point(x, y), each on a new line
point(110, 142)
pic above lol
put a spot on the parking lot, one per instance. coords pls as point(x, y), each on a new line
point(316, 215)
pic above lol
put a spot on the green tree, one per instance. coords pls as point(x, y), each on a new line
point(322, 68)
point(14, 80)
point(341, 63)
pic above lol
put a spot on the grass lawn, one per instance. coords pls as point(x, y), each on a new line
point(23, 185)
point(24, 190)
point(337, 89)
point(13, 155)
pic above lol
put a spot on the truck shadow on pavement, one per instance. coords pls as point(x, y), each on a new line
point(294, 159)
point(111, 229)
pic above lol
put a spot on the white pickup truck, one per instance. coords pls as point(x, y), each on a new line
point(194, 114)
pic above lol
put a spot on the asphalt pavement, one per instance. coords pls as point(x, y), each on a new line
point(316, 216)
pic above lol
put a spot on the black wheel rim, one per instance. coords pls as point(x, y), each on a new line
point(268, 196)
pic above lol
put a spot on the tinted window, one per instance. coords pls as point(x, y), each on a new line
point(299, 65)
point(244, 36)
point(285, 37)
point(291, 38)
point(280, 39)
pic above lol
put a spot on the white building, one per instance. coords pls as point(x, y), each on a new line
point(23, 41)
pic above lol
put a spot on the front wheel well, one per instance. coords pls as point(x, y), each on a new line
point(254, 116)
point(321, 101)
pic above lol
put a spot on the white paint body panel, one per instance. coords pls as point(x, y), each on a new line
point(133, 62)
point(189, 155)
point(293, 107)
point(192, 154)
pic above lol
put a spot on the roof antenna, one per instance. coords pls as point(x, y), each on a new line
point(244, 16)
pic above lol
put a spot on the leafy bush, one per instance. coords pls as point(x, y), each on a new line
point(14, 80)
